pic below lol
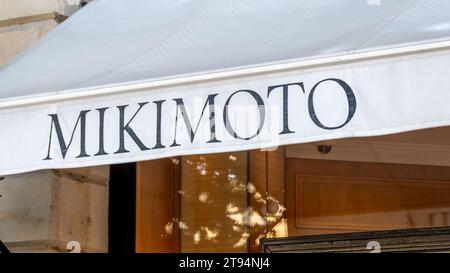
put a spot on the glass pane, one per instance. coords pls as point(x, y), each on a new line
point(213, 203)
point(228, 202)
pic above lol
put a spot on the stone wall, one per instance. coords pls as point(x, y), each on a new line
point(43, 211)
point(23, 22)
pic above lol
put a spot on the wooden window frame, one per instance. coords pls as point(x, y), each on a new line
point(405, 240)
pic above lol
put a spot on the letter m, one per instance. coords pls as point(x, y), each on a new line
point(212, 123)
point(64, 146)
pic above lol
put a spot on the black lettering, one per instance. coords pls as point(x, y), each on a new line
point(285, 103)
point(101, 129)
point(262, 114)
point(62, 143)
point(350, 98)
point(126, 128)
point(158, 124)
point(187, 122)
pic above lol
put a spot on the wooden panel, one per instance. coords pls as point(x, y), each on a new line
point(157, 206)
point(334, 196)
point(365, 169)
point(370, 204)
point(409, 240)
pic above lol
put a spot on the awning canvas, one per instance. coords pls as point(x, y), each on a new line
point(124, 81)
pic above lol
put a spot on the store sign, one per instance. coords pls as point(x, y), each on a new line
point(160, 115)
point(352, 100)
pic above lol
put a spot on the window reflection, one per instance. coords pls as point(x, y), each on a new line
point(213, 203)
point(228, 202)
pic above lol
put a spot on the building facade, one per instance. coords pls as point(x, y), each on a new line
point(276, 198)
point(43, 211)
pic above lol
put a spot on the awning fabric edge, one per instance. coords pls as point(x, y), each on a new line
point(132, 158)
point(360, 99)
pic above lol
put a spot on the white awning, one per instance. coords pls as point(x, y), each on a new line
point(124, 81)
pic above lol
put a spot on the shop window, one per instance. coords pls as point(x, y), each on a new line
point(214, 208)
point(221, 202)
point(229, 202)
